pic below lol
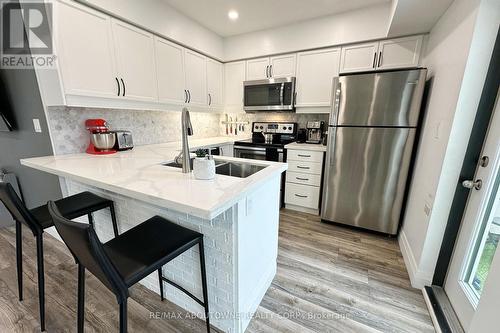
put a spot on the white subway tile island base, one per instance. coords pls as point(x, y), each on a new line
point(238, 217)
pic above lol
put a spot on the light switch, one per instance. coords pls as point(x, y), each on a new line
point(37, 126)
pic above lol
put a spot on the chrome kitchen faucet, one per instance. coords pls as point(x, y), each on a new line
point(187, 129)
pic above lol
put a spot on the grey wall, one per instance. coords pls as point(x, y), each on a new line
point(21, 89)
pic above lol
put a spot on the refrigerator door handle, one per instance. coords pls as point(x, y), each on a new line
point(337, 91)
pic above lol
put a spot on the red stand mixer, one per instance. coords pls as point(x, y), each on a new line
point(102, 140)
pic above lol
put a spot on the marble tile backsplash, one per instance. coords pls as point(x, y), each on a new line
point(149, 127)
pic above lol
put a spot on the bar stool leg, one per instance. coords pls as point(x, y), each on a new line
point(160, 280)
point(113, 219)
point(91, 219)
point(19, 258)
point(123, 316)
point(41, 280)
point(204, 283)
point(81, 297)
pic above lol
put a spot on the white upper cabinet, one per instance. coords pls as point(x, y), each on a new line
point(258, 69)
point(315, 72)
point(196, 77)
point(85, 51)
point(234, 75)
point(386, 54)
point(359, 57)
point(170, 72)
point(215, 83)
point(283, 66)
point(399, 53)
point(136, 62)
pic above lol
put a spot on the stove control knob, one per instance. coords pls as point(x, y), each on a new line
point(290, 128)
point(262, 127)
point(256, 127)
point(284, 127)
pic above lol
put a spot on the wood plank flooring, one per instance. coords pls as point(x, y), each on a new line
point(330, 279)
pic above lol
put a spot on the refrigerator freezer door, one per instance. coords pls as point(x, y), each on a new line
point(365, 176)
point(383, 99)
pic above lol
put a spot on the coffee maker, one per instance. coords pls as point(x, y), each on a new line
point(315, 131)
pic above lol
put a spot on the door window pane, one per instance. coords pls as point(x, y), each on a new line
point(487, 242)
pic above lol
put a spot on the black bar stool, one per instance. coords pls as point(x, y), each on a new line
point(38, 219)
point(128, 258)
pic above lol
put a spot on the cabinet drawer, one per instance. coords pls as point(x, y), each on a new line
point(305, 155)
point(303, 178)
point(305, 167)
point(302, 195)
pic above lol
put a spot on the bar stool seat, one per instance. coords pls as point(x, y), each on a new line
point(141, 250)
point(71, 207)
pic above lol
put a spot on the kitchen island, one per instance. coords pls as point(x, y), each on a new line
point(239, 218)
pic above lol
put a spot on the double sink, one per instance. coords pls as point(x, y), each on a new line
point(226, 168)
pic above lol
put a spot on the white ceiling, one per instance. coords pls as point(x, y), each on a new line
point(261, 14)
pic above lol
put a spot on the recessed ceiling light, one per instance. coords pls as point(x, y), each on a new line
point(233, 15)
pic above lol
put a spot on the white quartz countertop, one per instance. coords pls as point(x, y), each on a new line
point(139, 174)
point(306, 146)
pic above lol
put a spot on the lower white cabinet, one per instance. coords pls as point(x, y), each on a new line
point(303, 180)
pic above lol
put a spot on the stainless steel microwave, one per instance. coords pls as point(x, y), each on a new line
point(269, 95)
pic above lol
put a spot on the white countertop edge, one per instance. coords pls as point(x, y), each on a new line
point(306, 146)
point(274, 170)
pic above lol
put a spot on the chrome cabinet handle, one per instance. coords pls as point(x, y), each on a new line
point(303, 167)
point(123, 84)
point(303, 155)
point(374, 59)
point(118, 84)
point(300, 196)
point(267, 71)
point(473, 184)
point(304, 179)
point(379, 58)
point(270, 70)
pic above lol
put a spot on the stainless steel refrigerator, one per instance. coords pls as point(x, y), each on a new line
point(371, 137)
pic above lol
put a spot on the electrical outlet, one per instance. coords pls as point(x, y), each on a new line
point(37, 126)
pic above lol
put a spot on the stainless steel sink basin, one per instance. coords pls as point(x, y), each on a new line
point(227, 168)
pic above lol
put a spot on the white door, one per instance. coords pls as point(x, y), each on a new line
point(234, 75)
point(283, 66)
point(215, 83)
point(196, 77)
point(258, 69)
point(399, 53)
point(315, 72)
point(170, 72)
point(359, 57)
point(134, 49)
point(479, 234)
point(85, 48)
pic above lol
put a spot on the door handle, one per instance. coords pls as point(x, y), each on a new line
point(374, 59)
point(300, 155)
point(267, 71)
point(473, 184)
point(304, 179)
point(379, 58)
point(300, 196)
point(185, 96)
point(189, 96)
point(123, 84)
point(303, 167)
point(270, 70)
point(209, 99)
point(118, 84)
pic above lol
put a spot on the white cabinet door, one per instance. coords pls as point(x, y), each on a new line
point(234, 75)
point(315, 72)
point(215, 83)
point(196, 77)
point(134, 49)
point(399, 53)
point(359, 57)
point(258, 69)
point(170, 72)
point(283, 66)
point(85, 49)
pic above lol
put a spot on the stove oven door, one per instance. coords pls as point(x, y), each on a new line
point(259, 153)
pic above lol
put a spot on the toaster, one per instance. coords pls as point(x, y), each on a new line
point(124, 140)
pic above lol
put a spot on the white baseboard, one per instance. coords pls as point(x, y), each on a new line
point(418, 278)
